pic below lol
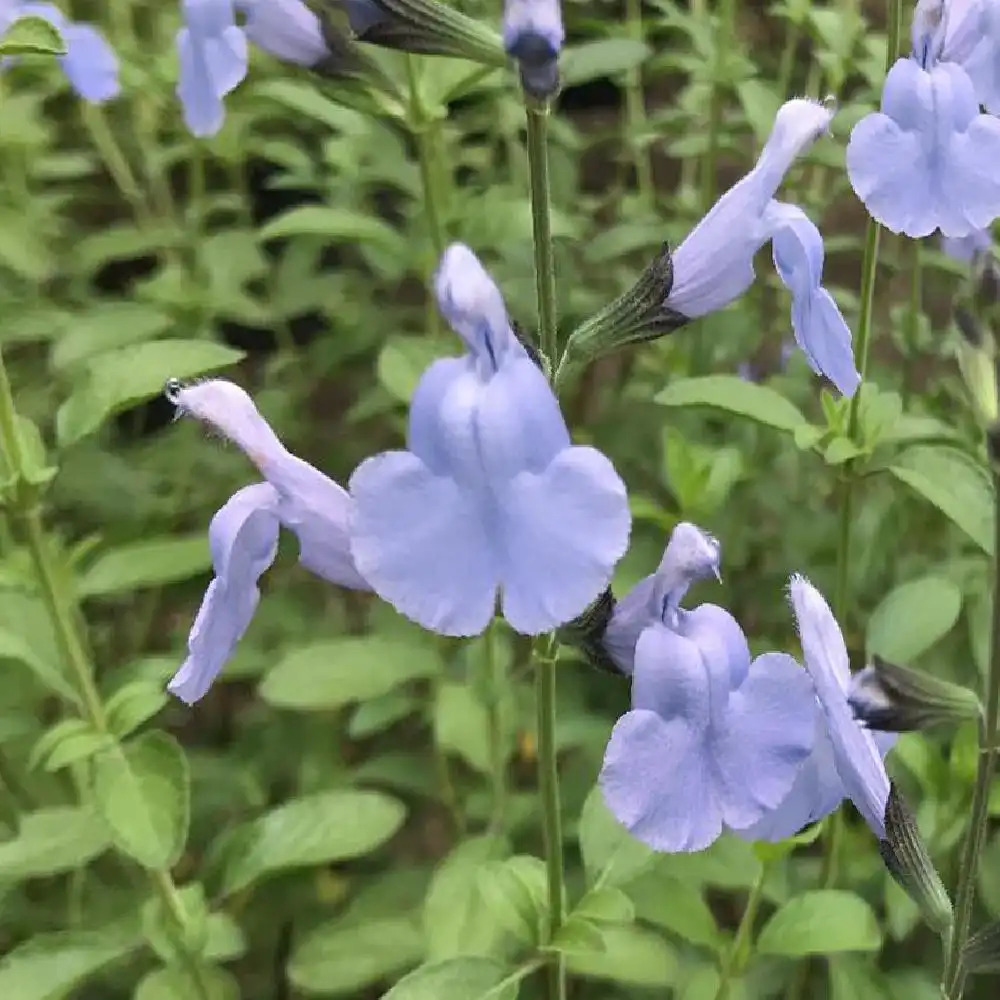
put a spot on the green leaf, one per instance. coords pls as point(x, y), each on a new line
point(631, 955)
point(50, 841)
point(66, 743)
point(462, 725)
point(821, 922)
point(465, 978)
point(734, 395)
point(605, 905)
point(676, 906)
point(32, 36)
point(912, 617)
point(133, 704)
point(314, 830)
point(327, 675)
point(337, 958)
point(151, 562)
point(606, 57)
point(456, 918)
point(577, 937)
point(48, 966)
point(184, 983)
point(515, 891)
point(343, 224)
point(142, 790)
point(611, 855)
point(113, 381)
point(15, 646)
point(956, 484)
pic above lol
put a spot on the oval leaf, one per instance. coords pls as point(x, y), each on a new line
point(607, 57)
point(326, 675)
point(315, 830)
point(824, 921)
point(54, 840)
point(337, 958)
point(956, 484)
point(118, 379)
point(152, 562)
point(734, 395)
point(142, 790)
point(32, 36)
point(455, 979)
point(912, 617)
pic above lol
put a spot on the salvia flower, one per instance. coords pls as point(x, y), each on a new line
point(490, 495)
point(244, 532)
point(90, 64)
point(213, 50)
point(691, 554)
point(966, 248)
point(927, 159)
point(714, 264)
point(533, 35)
point(855, 753)
point(713, 740)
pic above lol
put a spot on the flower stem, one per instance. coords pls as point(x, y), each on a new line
point(496, 678)
point(736, 957)
point(548, 784)
point(635, 106)
point(541, 227)
point(64, 615)
point(953, 982)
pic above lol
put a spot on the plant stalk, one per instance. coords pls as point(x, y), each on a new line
point(541, 227)
point(736, 957)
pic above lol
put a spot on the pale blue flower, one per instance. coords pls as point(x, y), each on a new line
point(213, 53)
point(855, 752)
point(713, 266)
point(927, 160)
point(244, 532)
point(967, 248)
point(490, 495)
point(712, 740)
point(966, 32)
point(90, 64)
point(691, 554)
point(533, 35)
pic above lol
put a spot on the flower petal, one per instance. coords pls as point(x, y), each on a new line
point(658, 783)
point(563, 532)
point(855, 752)
point(421, 542)
point(90, 63)
point(244, 540)
point(722, 643)
point(671, 679)
point(768, 734)
point(287, 29)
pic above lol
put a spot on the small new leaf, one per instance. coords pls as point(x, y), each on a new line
point(908, 862)
point(982, 951)
point(32, 36)
point(898, 699)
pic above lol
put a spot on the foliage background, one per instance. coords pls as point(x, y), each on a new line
point(353, 783)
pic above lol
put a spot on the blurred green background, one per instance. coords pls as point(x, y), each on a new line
point(355, 785)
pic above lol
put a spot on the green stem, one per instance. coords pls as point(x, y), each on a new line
point(953, 982)
point(498, 758)
point(541, 227)
point(736, 957)
point(548, 784)
point(64, 616)
point(635, 110)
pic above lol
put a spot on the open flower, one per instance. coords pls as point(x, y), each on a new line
point(713, 266)
point(244, 532)
point(927, 159)
point(712, 740)
point(846, 761)
point(490, 495)
point(90, 63)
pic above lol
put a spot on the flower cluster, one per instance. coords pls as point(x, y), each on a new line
point(718, 741)
point(927, 160)
point(489, 502)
